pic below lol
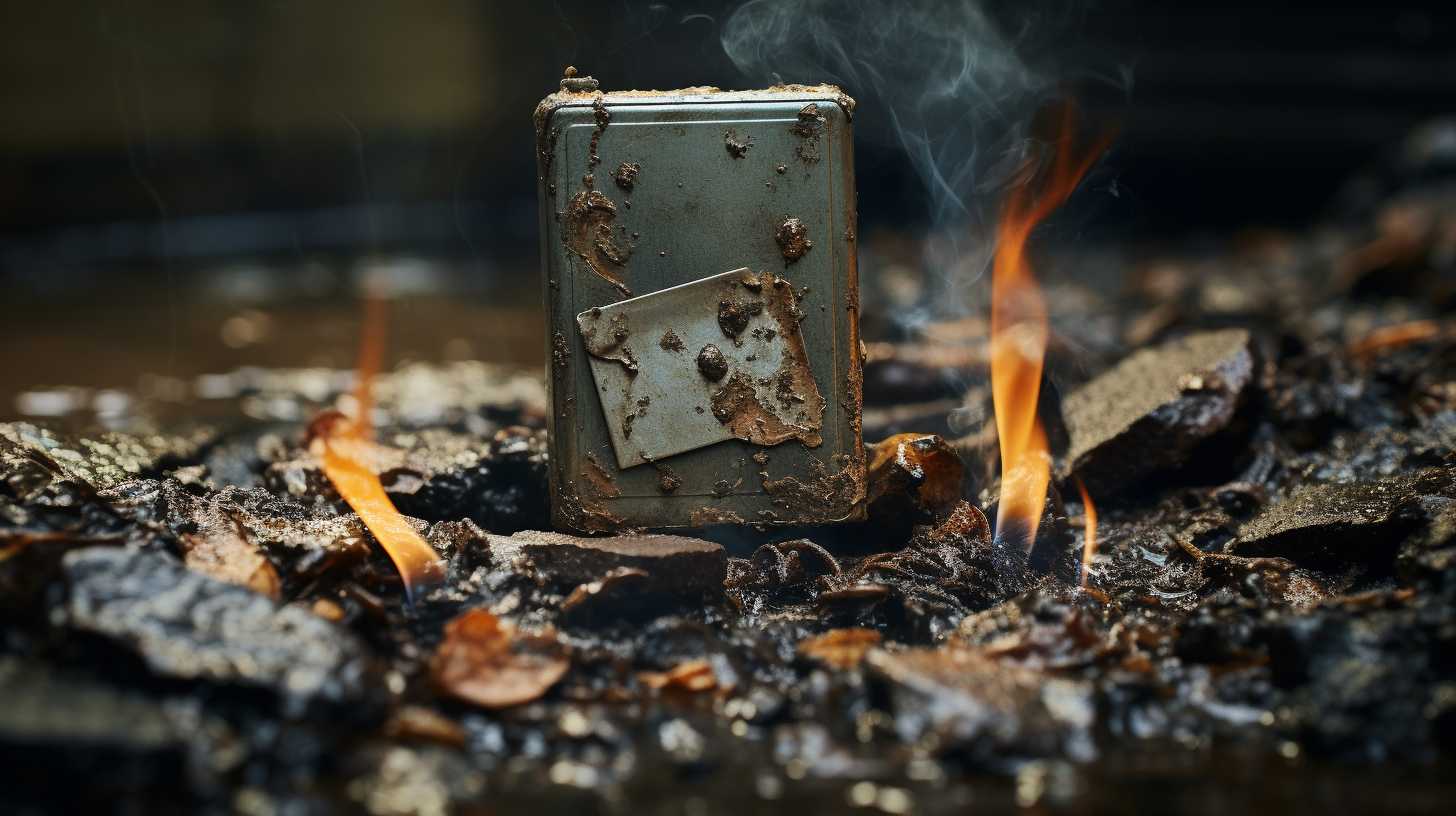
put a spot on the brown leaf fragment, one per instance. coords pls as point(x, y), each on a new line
point(419, 724)
point(840, 648)
point(694, 676)
point(487, 663)
point(223, 551)
point(327, 609)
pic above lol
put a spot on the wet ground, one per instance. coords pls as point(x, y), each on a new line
point(194, 621)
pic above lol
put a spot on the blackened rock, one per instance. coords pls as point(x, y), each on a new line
point(675, 565)
point(1362, 681)
point(1429, 558)
point(188, 626)
point(972, 706)
point(1151, 410)
point(1334, 524)
point(621, 593)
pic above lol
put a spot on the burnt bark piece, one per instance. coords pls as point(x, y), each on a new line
point(440, 475)
point(1333, 525)
point(675, 565)
point(104, 460)
point(1150, 411)
point(965, 702)
point(188, 626)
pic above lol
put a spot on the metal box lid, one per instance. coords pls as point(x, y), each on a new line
point(671, 220)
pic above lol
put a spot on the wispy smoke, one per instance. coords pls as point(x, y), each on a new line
point(943, 77)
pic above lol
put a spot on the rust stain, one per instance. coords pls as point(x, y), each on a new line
point(560, 353)
point(670, 341)
point(583, 503)
point(609, 345)
point(809, 127)
point(632, 414)
point(734, 314)
point(587, 234)
point(626, 175)
point(667, 479)
point(793, 239)
point(737, 146)
point(826, 494)
point(801, 415)
point(602, 116)
point(708, 516)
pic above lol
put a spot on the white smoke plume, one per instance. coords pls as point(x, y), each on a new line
point(939, 77)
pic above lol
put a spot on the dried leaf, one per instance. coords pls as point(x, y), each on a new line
point(485, 662)
point(840, 648)
point(422, 724)
point(691, 676)
point(223, 551)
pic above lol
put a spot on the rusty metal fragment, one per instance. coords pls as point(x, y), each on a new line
point(701, 212)
point(913, 477)
point(770, 395)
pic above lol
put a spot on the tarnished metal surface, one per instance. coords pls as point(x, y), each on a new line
point(716, 359)
point(643, 191)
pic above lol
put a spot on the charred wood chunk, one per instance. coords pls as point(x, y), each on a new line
point(1152, 410)
point(674, 565)
point(1336, 526)
point(439, 475)
point(188, 626)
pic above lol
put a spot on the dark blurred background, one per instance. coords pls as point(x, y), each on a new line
point(189, 187)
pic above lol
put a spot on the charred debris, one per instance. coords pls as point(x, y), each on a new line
point(194, 620)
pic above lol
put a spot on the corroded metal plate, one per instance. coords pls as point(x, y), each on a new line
point(645, 191)
point(701, 363)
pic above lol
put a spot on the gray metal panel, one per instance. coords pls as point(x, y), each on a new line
point(698, 208)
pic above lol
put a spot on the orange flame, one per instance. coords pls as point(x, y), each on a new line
point(350, 458)
point(1019, 337)
point(1089, 530)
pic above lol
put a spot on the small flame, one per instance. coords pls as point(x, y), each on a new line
point(349, 455)
point(1089, 530)
point(1019, 336)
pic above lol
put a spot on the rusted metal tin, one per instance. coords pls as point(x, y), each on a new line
point(698, 255)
